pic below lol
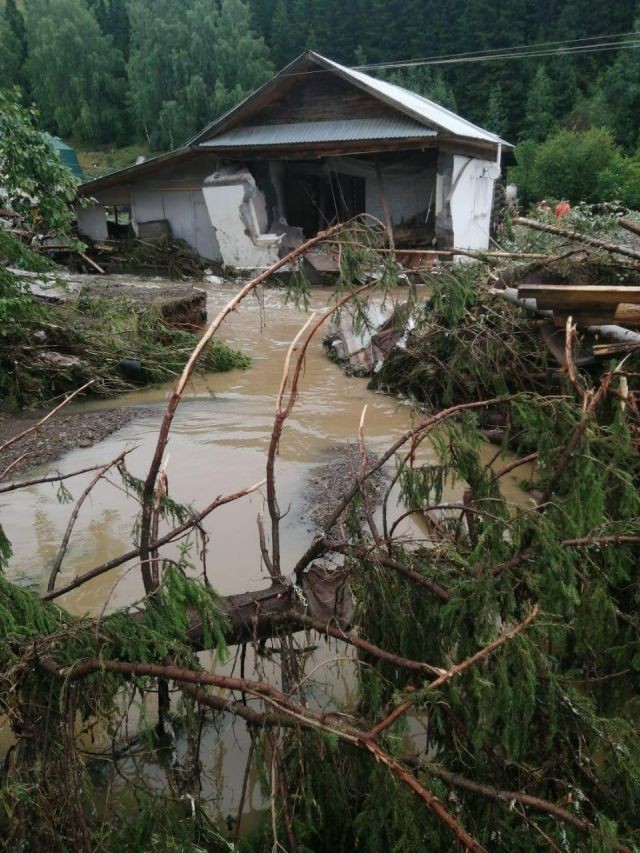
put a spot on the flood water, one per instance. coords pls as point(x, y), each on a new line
point(218, 445)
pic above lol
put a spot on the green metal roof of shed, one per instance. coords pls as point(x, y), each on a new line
point(67, 154)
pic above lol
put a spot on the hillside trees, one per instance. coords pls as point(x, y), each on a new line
point(539, 115)
point(113, 19)
point(428, 82)
point(189, 64)
point(9, 55)
point(76, 75)
point(621, 90)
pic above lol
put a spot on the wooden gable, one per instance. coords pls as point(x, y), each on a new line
point(305, 93)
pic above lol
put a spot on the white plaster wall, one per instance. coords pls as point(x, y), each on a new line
point(146, 206)
point(237, 247)
point(471, 201)
point(92, 222)
point(183, 210)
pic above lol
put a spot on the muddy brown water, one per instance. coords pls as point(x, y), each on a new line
point(218, 445)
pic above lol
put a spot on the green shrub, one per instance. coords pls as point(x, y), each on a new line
point(569, 164)
point(621, 181)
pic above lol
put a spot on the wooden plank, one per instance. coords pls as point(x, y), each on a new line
point(568, 296)
point(621, 315)
point(627, 314)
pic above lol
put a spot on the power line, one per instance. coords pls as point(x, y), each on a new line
point(488, 51)
point(622, 41)
point(560, 51)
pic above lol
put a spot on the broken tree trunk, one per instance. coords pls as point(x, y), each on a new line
point(576, 235)
point(630, 225)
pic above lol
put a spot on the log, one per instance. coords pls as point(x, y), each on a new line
point(630, 225)
point(91, 263)
point(622, 315)
point(477, 254)
point(577, 236)
point(627, 315)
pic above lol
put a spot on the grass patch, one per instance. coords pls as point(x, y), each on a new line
point(100, 160)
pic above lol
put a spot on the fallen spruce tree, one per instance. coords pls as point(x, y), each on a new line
point(509, 633)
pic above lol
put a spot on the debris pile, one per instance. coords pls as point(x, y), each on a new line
point(499, 325)
point(168, 256)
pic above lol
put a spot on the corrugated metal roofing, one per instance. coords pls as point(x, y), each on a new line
point(422, 108)
point(412, 105)
point(321, 131)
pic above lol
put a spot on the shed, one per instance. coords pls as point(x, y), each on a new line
point(318, 143)
point(66, 153)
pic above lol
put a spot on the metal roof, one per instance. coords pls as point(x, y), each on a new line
point(412, 105)
point(321, 131)
point(425, 114)
point(415, 105)
point(66, 153)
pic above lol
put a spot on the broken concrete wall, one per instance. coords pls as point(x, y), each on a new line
point(238, 212)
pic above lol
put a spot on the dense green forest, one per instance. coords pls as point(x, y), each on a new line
point(155, 71)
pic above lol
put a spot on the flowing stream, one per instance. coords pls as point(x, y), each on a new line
point(218, 445)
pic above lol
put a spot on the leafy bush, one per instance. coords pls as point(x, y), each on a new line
point(579, 166)
point(621, 181)
point(34, 180)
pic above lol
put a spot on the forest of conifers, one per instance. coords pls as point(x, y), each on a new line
point(156, 71)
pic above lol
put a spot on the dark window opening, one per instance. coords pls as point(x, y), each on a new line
point(315, 201)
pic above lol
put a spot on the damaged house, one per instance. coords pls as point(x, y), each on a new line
point(318, 143)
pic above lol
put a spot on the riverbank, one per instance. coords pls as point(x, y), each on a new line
point(63, 330)
point(53, 439)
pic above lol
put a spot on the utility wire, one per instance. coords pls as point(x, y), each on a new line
point(562, 51)
point(623, 41)
point(488, 51)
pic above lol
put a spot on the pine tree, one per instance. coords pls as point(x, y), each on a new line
point(621, 95)
point(496, 119)
point(425, 81)
point(15, 20)
point(10, 63)
point(282, 49)
point(539, 116)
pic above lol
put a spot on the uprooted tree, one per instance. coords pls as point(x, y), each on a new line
point(510, 632)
